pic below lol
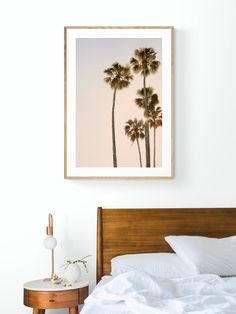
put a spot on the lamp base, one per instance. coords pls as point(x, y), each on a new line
point(54, 279)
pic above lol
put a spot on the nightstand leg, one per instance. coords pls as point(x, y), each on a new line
point(38, 311)
point(74, 310)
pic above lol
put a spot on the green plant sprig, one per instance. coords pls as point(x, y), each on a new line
point(77, 261)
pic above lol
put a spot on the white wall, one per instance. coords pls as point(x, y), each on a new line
point(31, 128)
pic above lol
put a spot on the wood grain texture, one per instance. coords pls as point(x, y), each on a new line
point(99, 244)
point(38, 311)
point(55, 299)
point(125, 231)
point(74, 310)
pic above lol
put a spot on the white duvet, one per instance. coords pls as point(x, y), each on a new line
point(139, 293)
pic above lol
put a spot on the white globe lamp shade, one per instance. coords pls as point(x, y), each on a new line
point(50, 242)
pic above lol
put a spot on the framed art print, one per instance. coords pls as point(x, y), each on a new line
point(119, 102)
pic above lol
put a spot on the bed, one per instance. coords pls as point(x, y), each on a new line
point(143, 230)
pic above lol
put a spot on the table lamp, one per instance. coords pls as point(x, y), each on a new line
point(50, 242)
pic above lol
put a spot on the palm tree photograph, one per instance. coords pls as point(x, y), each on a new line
point(119, 102)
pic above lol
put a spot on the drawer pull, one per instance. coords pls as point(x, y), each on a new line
point(51, 300)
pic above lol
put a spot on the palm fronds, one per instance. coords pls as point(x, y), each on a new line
point(134, 129)
point(155, 117)
point(118, 76)
point(151, 100)
point(144, 61)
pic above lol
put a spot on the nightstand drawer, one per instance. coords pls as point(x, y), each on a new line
point(54, 299)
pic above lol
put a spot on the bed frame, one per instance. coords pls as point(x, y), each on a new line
point(142, 230)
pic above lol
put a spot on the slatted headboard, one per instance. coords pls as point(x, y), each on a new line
point(142, 230)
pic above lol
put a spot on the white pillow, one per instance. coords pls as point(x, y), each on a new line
point(206, 255)
point(159, 265)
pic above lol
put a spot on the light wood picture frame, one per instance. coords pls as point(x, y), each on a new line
point(118, 102)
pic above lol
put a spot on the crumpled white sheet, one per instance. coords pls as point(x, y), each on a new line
point(139, 293)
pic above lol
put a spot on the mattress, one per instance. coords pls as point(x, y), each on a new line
point(137, 292)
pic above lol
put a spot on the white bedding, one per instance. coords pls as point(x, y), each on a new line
point(164, 265)
point(138, 293)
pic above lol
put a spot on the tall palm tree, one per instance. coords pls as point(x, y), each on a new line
point(134, 129)
point(118, 77)
point(145, 63)
point(155, 121)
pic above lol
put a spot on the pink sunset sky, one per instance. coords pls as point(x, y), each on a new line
point(94, 102)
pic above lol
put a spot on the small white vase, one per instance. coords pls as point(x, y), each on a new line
point(72, 273)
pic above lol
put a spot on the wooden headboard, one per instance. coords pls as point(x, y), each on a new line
point(142, 230)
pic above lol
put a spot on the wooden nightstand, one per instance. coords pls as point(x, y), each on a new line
point(42, 295)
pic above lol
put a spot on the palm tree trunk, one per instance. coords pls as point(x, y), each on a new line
point(154, 148)
point(139, 152)
point(146, 125)
point(113, 131)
